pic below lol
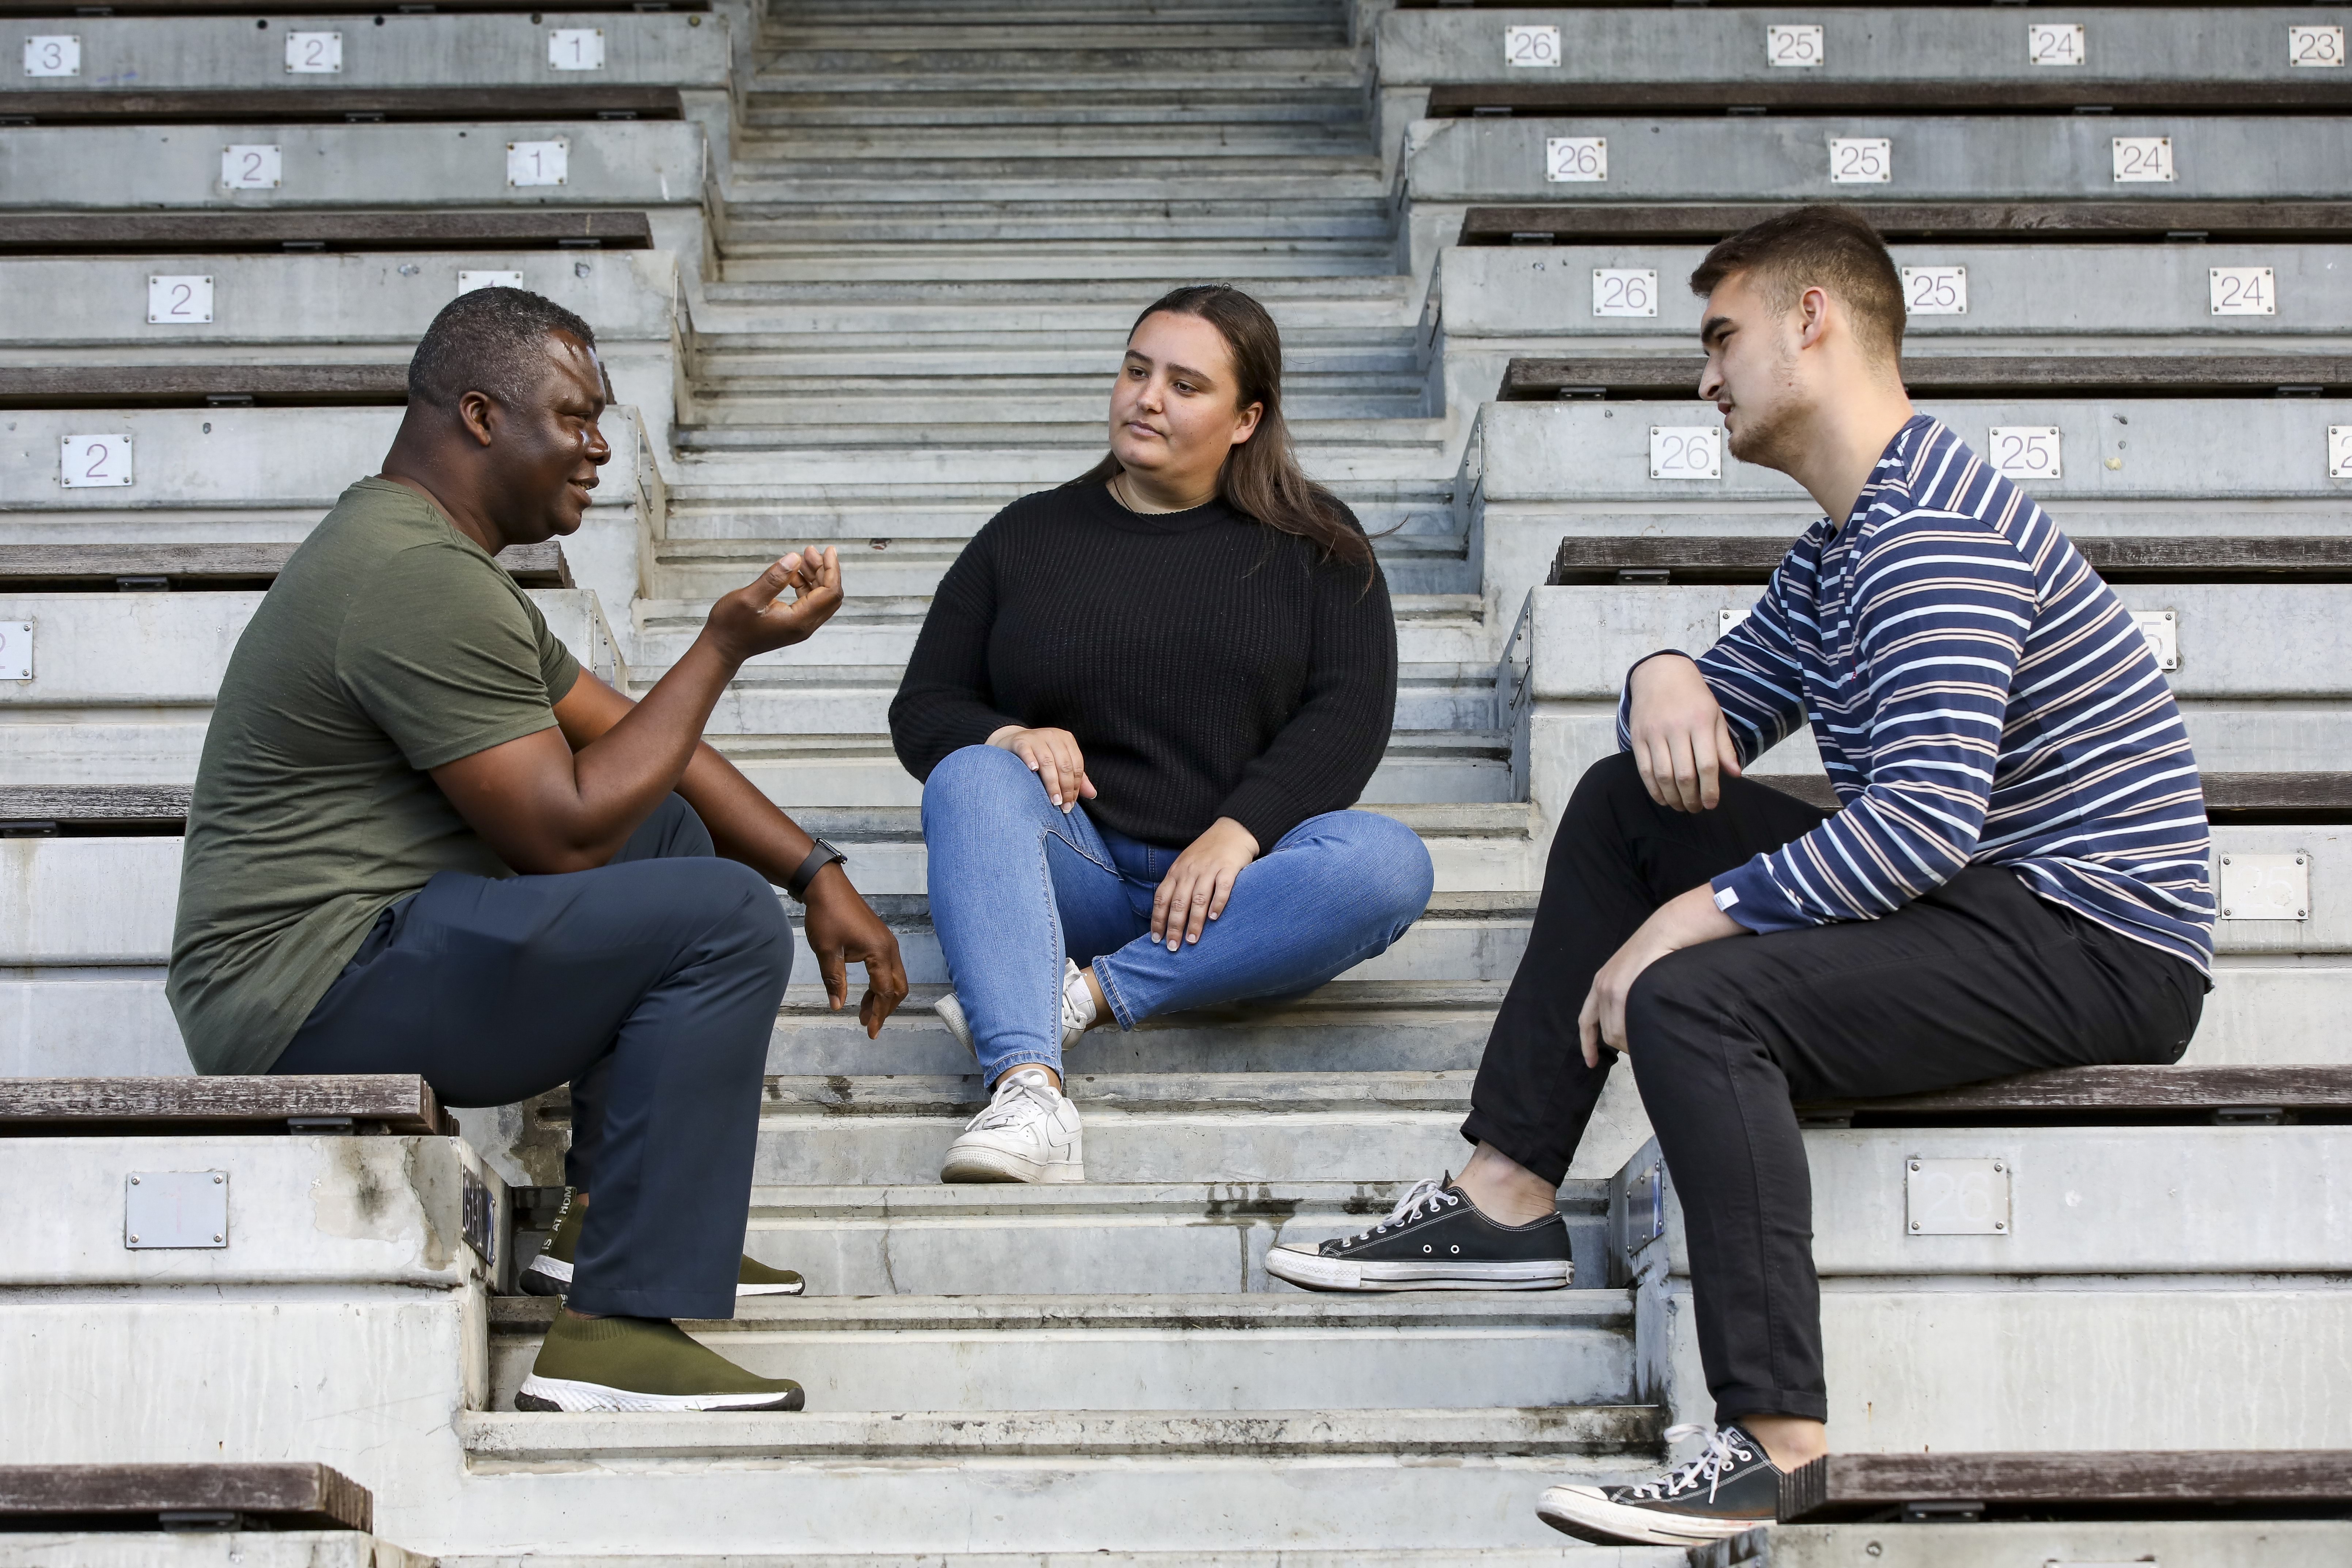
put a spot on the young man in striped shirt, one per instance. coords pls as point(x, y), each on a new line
point(2016, 876)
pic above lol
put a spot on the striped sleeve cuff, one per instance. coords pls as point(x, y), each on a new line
point(1750, 895)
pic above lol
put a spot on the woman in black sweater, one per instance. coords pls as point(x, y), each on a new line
point(1140, 707)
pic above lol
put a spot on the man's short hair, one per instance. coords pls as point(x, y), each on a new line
point(1824, 246)
point(489, 340)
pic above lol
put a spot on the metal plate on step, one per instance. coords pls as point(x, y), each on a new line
point(2265, 887)
point(174, 1209)
point(479, 1218)
point(1956, 1198)
point(1645, 1206)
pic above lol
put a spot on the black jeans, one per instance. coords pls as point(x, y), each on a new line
point(1976, 979)
point(650, 984)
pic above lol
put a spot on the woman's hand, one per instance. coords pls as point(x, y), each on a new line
point(1053, 756)
point(1195, 890)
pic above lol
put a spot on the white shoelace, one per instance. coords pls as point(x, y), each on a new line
point(1725, 1450)
point(1019, 1099)
point(1427, 1197)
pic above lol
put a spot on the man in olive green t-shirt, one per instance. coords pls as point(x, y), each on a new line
point(425, 840)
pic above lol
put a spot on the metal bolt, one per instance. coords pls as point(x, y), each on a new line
point(2225, 859)
point(134, 1239)
point(1997, 1167)
point(2002, 1225)
point(218, 1178)
point(134, 1181)
point(1915, 1164)
point(1914, 1224)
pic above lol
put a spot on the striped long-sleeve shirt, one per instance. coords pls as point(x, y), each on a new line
point(1980, 698)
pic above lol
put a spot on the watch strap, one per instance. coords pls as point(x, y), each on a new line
point(820, 855)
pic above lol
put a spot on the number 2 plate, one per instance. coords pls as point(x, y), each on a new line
point(1686, 451)
point(1624, 291)
point(1530, 47)
point(87, 462)
point(2339, 451)
point(470, 281)
point(252, 166)
point(314, 54)
point(184, 300)
point(1861, 160)
point(1936, 290)
point(1956, 1198)
point(2026, 451)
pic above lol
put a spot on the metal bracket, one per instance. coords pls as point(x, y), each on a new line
point(1943, 1513)
point(328, 1124)
point(1645, 1206)
point(479, 1218)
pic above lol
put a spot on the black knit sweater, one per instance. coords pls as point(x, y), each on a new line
point(1208, 665)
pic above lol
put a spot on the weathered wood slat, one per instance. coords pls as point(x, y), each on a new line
point(202, 385)
point(1676, 377)
point(110, 805)
point(184, 234)
point(1824, 95)
point(96, 1107)
point(2299, 558)
point(2005, 223)
point(66, 568)
point(2321, 1093)
point(2064, 1485)
point(335, 105)
point(2277, 798)
point(318, 8)
point(287, 1496)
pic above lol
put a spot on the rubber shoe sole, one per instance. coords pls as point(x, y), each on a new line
point(552, 1277)
point(982, 1165)
point(580, 1398)
point(1313, 1271)
point(1583, 1512)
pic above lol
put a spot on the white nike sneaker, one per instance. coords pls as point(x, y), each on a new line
point(1028, 1133)
point(1078, 1010)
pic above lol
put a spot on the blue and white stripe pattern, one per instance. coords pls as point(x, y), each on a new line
point(1980, 698)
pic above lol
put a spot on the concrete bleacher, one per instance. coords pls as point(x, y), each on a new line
point(870, 297)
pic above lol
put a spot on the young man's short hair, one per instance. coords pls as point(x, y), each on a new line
point(489, 340)
point(1824, 246)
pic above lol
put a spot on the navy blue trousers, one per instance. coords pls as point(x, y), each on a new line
point(650, 984)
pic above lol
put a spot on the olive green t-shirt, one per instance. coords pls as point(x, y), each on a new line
point(390, 645)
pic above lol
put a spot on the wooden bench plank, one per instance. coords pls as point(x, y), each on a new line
point(322, 7)
point(337, 105)
point(2100, 221)
point(69, 568)
point(2239, 799)
point(203, 386)
point(2077, 1095)
point(284, 1496)
point(113, 1107)
point(1676, 377)
point(185, 234)
point(1825, 95)
point(2298, 558)
point(2201, 1482)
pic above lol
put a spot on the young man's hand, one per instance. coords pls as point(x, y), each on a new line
point(1195, 890)
point(1683, 920)
point(1681, 744)
point(844, 930)
point(1055, 757)
point(751, 621)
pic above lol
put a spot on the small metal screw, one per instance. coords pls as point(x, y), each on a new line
point(2226, 914)
point(217, 1240)
point(1997, 1167)
point(1914, 1224)
point(134, 1181)
point(2000, 1224)
point(1872, 1550)
point(134, 1239)
point(2225, 859)
point(218, 1179)
point(1915, 1164)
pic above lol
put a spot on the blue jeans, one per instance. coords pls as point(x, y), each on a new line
point(1017, 884)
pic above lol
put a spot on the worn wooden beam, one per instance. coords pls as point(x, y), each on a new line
point(2296, 558)
point(96, 1107)
point(320, 7)
point(2076, 1095)
point(70, 568)
point(1676, 377)
point(337, 105)
point(278, 1495)
point(1827, 95)
point(2096, 220)
point(2199, 1482)
point(203, 385)
point(224, 233)
point(2282, 799)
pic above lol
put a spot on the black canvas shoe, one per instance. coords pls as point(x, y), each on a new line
point(1435, 1240)
point(1729, 1488)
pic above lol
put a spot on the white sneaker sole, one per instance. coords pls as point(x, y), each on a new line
point(580, 1398)
point(555, 1268)
point(981, 1165)
point(1313, 1271)
point(1583, 1512)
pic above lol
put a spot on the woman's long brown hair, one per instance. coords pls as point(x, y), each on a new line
point(1261, 478)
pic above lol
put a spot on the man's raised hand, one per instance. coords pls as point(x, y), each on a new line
point(751, 620)
point(1682, 746)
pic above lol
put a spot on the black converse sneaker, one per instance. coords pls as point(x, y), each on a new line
point(1435, 1240)
point(1730, 1486)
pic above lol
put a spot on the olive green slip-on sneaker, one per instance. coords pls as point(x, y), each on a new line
point(641, 1363)
point(549, 1273)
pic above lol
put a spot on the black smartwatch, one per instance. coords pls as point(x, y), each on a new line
point(819, 857)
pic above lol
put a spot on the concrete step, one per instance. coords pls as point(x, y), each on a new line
point(965, 217)
point(1292, 301)
point(1347, 1482)
point(1198, 1352)
point(1307, 110)
point(2324, 1536)
point(1311, 143)
point(1278, 260)
point(1394, 440)
point(726, 401)
point(1011, 182)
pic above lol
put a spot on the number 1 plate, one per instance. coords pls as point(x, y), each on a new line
point(538, 162)
point(576, 49)
point(1936, 290)
point(1956, 1197)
